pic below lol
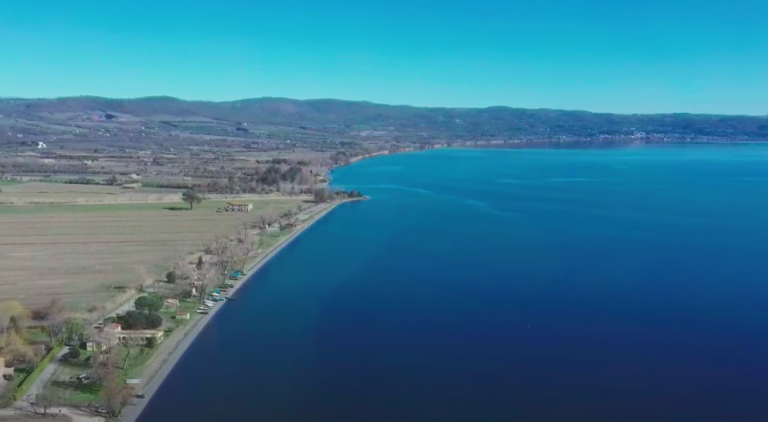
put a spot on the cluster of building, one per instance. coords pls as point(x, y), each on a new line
point(113, 333)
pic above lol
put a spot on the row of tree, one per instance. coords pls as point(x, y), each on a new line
point(327, 194)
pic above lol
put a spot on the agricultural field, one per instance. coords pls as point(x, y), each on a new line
point(86, 254)
point(14, 193)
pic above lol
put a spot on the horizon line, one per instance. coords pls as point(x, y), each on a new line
point(170, 97)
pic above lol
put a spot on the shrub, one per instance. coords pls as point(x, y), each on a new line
point(149, 303)
point(153, 321)
point(135, 320)
point(171, 276)
point(74, 353)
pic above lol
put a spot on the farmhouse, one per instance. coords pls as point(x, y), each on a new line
point(238, 207)
point(142, 335)
point(107, 337)
point(115, 333)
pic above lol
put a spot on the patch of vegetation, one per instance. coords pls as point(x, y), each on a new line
point(136, 320)
point(148, 303)
point(191, 197)
point(171, 277)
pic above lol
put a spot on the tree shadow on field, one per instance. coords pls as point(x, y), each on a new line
point(176, 208)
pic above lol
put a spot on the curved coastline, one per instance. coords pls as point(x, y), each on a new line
point(133, 411)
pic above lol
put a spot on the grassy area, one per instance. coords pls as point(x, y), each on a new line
point(85, 254)
point(169, 315)
point(67, 390)
point(64, 388)
point(36, 336)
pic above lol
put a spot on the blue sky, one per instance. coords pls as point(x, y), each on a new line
point(647, 56)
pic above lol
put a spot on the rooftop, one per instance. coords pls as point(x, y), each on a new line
point(141, 333)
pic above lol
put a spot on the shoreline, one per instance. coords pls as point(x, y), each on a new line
point(132, 412)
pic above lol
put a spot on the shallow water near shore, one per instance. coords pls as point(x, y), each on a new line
point(531, 285)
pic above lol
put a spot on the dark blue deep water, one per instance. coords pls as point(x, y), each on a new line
point(618, 285)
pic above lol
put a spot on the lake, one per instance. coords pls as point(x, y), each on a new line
point(505, 285)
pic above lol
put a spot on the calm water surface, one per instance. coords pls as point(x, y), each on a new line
point(623, 285)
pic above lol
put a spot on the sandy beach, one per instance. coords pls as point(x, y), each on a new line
point(172, 349)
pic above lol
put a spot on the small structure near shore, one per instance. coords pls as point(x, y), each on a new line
point(237, 207)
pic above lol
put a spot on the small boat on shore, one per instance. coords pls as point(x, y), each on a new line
point(231, 298)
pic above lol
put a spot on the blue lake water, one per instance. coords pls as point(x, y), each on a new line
point(511, 285)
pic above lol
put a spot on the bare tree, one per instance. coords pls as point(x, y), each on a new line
point(53, 309)
point(177, 290)
point(55, 327)
point(205, 280)
point(103, 359)
point(129, 343)
point(14, 348)
point(184, 271)
point(38, 402)
point(96, 313)
point(13, 317)
point(219, 245)
point(116, 396)
point(244, 233)
point(73, 329)
point(145, 277)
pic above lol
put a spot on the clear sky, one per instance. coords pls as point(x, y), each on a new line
point(601, 55)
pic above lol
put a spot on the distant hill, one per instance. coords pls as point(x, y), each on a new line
point(400, 123)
